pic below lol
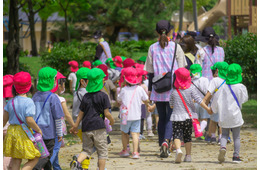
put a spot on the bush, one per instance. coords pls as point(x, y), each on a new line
point(243, 51)
point(22, 67)
point(4, 50)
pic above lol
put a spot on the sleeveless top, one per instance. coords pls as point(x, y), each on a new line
point(103, 56)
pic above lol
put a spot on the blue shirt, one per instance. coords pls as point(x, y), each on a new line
point(24, 107)
point(51, 112)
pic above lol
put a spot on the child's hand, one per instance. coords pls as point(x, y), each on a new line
point(151, 108)
point(73, 130)
point(59, 138)
point(112, 122)
point(40, 131)
point(210, 111)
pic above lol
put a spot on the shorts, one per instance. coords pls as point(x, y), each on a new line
point(155, 111)
point(182, 130)
point(214, 117)
point(202, 113)
point(97, 138)
point(132, 126)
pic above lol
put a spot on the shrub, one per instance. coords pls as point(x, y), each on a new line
point(4, 50)
point(22, 67)
point(243, 51)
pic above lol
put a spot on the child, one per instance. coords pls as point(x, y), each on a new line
point(113, 74)
point(86, 64)
point(181, 120)
point(17, 144)
point(48, 113)
point(132, 97)
point(118, 63)
point(201, 85)
point(72, 76)
point(59, 89)
point(93, 109)
point(96, 63)
point(214, 85)
point(228, 103)
point(142, 60)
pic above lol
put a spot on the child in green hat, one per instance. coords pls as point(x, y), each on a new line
point(228, 103)
point(48, 113)
point(142, 60)
point(113, 74)
point(201, 85)
point(96, 63)
point(94, 108)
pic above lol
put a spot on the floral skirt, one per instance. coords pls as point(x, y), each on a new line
point(18, 145)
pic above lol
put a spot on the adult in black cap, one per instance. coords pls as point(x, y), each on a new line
point(212, 53)
point(102, 50)
point(159, 60)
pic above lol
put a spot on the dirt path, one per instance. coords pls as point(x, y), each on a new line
point(204, 156)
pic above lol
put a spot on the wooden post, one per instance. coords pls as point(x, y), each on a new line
point(235, 25)
point(229, 18)
point(181, 14)
point(195, 15)
point(250, 12)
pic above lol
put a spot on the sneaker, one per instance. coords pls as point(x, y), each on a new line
point(187, 158)
point(200, 138)
point(207, 138)
point(236, 160)
point(150, 133)
point(164, 150)
point(178, 156)
point(75, 165)
point(141, 137)
point(219, 141)
point(213, 140)
point(221, 155)
point(229, 140)
point(128, 148)
point(124, 153)
point(135, 155)
point(182, 144)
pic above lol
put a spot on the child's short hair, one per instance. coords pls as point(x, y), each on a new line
point(128, 84)
point(14, 92)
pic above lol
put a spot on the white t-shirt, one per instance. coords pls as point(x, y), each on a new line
point(125, 95)
point(202, 83)
point(214, 84)
point(72, 76)
point(224, 103)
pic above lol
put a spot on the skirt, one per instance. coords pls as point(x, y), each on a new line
point(18, 145)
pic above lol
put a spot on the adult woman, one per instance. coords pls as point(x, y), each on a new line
point(211, 52)
point(159, 60)
point(102, 50)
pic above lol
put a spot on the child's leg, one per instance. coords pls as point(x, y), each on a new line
point(177, 143)
point(54, 158)
point(135, 137)
point(224, 138)
point(149, 121)
point(30, 164)
point(203, 124)
point(142, 127)
point(187, 131)
point(81, 157)
point(101, 164)
point(125, 140)
point(16, 163)
point(236, 138)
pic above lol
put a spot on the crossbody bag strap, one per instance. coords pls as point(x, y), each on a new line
point(175, 49)
point(16, 113)
point(235, 97)
point(43, 107)
point(132, 99)
point(208, 56)
point(185, 105)
point(78, 96)
point(199, 89)
point(219, 86)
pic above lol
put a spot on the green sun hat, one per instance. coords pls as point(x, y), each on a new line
point(97, 63)
point(195, 68)
point(46, 79)
point(95, 80)
point(222, 69)
point(214, 67)
point(234, 74)
point(123, 58)
point(111, 62)
point(81, 74)
point(143, 58)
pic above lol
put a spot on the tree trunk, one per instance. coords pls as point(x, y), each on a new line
point(13, 47)
point(113, 37)
point(32, 28)
point(66, 26)
point(43, 35)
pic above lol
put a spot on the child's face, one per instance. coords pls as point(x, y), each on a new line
point(216, 73)
point(61, 88)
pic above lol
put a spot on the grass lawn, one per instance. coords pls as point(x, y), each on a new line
point(249, 111)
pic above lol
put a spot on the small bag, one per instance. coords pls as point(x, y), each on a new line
point(124, 110)
point(195, 122)
point(108, 126)
point(163, 82)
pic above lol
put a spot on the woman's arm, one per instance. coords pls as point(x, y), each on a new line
point(30, 121)
point(67, 114)
point(104, 50)
point(6, 118)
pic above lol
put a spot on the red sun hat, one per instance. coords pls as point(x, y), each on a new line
point(22, 82)
point(58, 76)
point(7, 85)
point(118, 61)
point(183, 79)
point(74, 66)
point(131, 76)
point(128, 62)
point(87, 64)
point(104, 68)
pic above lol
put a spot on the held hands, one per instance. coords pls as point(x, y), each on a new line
point(59, 138)
point(151, 108)
point(74, 130)
point(209, 110)
point(40, 131)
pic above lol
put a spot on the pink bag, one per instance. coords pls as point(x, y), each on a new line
point(195, 122)
point(108, 126)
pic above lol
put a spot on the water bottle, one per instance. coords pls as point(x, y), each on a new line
point(41, 145)
point(124, 114)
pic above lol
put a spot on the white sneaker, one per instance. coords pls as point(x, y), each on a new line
point(187, 158)
point(221, 155)
point(150, 133)
point(178, 156)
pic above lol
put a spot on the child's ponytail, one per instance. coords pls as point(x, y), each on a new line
point(163, 39)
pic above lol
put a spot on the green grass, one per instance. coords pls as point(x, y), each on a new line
point(249, 111)
point(137, 55)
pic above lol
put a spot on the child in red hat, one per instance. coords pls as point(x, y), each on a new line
point(131, 97)
point(86, 64)
point(74, 66)
point(20, 109)
point(118, 63)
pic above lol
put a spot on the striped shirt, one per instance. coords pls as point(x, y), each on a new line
point(210, 59)
point(159, 60)
point(103, 56)
point(179, 112)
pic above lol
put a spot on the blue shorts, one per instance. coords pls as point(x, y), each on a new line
point(202, 113)
point(132, 126)
point(155, 111)
point(214, 117)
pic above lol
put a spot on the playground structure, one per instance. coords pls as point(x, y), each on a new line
point(243, 12)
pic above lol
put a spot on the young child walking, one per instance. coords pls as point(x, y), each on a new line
point(21, 108)
point(74, 66)
point(48, 113)
point(131, 97)
point(228, 103)
point(93, 109)
point(181, 100)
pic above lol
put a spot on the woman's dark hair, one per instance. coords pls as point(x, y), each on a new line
point(188, 44)
point(213, 42)
point(128, 84)
point(61, 81)
point(163, 39)
point(14, 92)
